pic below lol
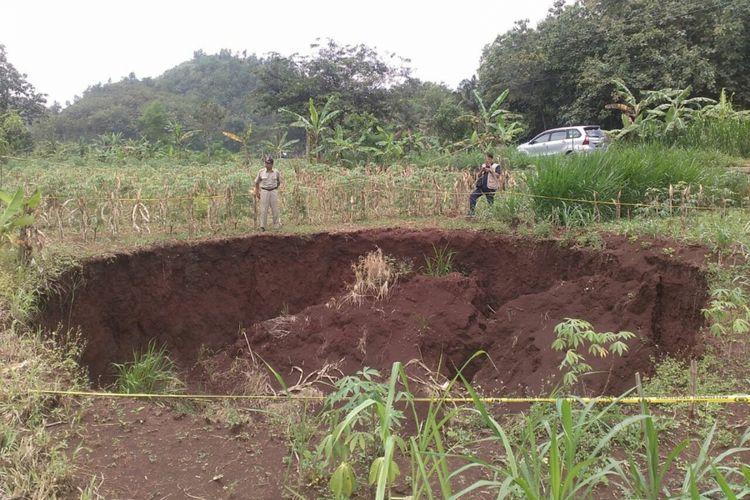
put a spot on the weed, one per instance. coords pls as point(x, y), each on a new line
point(668, 251)
point(440, 263)
point(592, 240)
point(150, 372)
point(423, 324)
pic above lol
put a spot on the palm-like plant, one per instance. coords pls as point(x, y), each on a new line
point(345, 149)
point(390, 146)
point(179, 138)
point(243, 140)
point(109, 144)
point(678, 108)
point(314, 125)
point(634, 116)
point(15, 217)
point(281, 145)
point(666, 110)
point(723, 109)
point(493, 126)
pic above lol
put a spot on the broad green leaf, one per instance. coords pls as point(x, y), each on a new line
point(343, 481)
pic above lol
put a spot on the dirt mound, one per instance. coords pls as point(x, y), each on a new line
point(506, 296)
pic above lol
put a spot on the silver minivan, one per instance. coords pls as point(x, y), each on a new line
point(565, 140)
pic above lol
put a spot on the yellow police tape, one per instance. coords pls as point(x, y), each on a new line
point(721, 399)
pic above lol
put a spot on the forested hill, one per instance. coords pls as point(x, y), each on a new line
point(559, 72)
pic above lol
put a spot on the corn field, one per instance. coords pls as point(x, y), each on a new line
point(102, 201)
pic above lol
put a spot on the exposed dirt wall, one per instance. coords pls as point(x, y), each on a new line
point(506, 298)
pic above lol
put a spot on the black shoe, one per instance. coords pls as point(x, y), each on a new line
point(262, 228)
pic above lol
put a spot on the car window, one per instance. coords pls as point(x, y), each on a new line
point(594, 132)
point(559, 135)
point(573, 133)
point(541, 138)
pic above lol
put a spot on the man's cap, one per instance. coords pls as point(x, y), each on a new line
point(268, 159)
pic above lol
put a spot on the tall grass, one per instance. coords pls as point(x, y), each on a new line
point(728, 136)
point(628, 174)
point(34, 461)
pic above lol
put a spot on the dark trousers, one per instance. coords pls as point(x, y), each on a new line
point(477, 193)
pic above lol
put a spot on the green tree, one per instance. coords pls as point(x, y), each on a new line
point(210, 117)
point(17, 94)
point(154, 121)
point(357, 76)
point(14, 135)
point(562, 71)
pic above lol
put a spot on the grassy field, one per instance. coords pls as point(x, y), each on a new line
point(561, 450)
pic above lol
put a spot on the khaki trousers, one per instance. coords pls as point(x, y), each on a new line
point(269, 199)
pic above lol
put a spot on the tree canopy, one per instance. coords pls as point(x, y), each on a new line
point(562, 71)
point(17, 94)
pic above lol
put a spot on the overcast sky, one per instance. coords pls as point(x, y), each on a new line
point(65, 46)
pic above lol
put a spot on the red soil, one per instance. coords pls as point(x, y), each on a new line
point(505, 298)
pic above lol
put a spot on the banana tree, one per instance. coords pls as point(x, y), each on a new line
point(678, 110)
point(280, 146)
point(179, 138)
point(314, 125)
point(109, 145)
point(723, 109)
point(390, 147)
point(493, 126)
point(342, 147)
point(635, 118)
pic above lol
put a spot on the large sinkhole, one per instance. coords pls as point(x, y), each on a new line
point(280, 297)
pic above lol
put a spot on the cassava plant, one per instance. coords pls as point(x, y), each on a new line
point(574, 334)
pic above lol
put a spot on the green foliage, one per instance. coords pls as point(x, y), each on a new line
point(728, 311)
point(315, 124)
point(154, 121)
point(547, 460)
point(14, 136)
point(16, 94)
point(624, 174)
point(35, 459)
point(646, 478)
point(575, 334)
point(561, 71)
point(16, 217)
point(366, 418)
point(280, 146)
point(493, 126)
point(440, 263)
point(150, 372)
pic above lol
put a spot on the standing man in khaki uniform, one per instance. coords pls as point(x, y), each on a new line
point(267, 183)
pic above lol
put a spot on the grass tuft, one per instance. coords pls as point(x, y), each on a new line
point(150, 372)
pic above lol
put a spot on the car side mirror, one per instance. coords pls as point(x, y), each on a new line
point(532, 142)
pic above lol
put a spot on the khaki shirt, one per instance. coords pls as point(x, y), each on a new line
point(268, 180)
